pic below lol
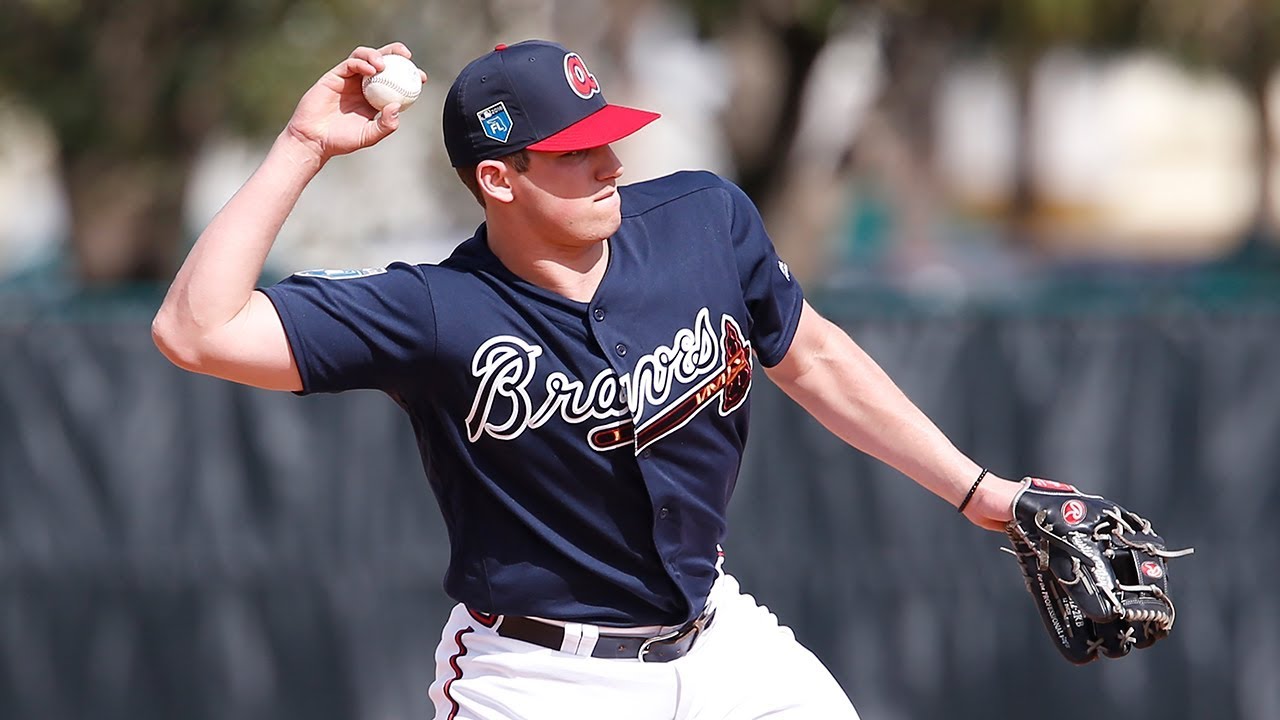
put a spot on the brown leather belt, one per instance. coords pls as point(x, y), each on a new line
point(658, 648)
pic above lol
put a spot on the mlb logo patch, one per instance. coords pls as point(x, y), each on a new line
point(495, 121)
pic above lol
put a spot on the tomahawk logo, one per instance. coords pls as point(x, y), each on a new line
point(711, 366)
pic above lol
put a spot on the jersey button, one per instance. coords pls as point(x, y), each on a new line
point(598, 314)
point(646, 453)
point(621, 349)
point(663, 513)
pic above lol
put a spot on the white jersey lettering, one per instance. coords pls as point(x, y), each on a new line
point(505, 365)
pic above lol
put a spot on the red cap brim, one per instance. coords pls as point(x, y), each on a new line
point(608, 124)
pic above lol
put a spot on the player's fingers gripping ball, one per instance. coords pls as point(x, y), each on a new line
point(1096, 571)
point(399, 82)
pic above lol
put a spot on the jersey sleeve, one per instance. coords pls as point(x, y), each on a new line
point(773, 297)
point(349, 329)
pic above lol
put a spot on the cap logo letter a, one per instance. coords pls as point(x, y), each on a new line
point(580, 78)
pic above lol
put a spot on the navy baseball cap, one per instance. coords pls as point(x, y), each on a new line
point(534, 95)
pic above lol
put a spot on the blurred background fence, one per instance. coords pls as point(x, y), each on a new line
point(1053, 221)
point(174, 546)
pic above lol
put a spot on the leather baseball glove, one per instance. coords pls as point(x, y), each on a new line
point(1097, 572)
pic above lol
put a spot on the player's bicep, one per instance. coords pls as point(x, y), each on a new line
point(251, 349)
point(809, 346)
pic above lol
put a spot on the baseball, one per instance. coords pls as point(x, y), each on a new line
point(399, 82)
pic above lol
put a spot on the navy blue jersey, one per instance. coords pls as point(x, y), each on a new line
point(583, 454)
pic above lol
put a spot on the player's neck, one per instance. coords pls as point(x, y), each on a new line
point(571, 271)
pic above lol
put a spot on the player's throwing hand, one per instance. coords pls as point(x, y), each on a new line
point(334, 118)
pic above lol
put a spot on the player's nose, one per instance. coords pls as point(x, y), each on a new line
point(610, 167)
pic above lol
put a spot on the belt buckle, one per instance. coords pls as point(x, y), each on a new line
point(673, 635)
point(695, 627)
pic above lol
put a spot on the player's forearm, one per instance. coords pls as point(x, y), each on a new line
point(854, 398)
point(845, 390)
point(216, 280)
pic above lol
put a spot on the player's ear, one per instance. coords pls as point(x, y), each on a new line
point(494, 179)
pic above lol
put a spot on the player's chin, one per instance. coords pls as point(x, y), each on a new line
point(608, 222)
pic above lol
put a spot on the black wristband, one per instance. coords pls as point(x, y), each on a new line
point(972, 490)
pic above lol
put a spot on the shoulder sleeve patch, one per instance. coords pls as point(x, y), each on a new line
point(347, 274)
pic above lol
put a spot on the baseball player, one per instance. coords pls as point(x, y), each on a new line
point(578, 376)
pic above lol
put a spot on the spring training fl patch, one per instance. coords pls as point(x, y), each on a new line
point(495, 121)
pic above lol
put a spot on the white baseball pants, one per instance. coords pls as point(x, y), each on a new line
point(745, 666)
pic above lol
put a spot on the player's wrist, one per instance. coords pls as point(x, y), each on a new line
point(300, 151)
point(991, 506)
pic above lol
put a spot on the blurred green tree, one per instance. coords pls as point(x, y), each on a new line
point(919, 41)
point(774, 47)
point(792, 35)
point(1022, 33)
point(924, 37)
point(132, 90)
point(1241, 38)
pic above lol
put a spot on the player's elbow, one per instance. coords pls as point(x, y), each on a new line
point(178, 345)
